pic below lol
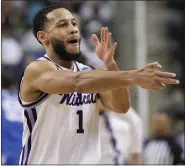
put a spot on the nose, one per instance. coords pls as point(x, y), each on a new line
point(73, 29)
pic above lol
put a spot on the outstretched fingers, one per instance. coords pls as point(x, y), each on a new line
point(95, 40)
point(165, 74)
point(109, 40)
point(113, 48)
point(103, 35)
point(106, 34)
point(166, 77)
point(168, 80)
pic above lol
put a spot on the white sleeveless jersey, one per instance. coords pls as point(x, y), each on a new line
point(61, 128)
point(112, 136)
point(121, 135)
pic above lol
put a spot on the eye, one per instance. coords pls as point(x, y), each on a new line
point(74, 24)
point(62, 25)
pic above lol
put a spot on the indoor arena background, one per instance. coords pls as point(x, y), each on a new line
point(145, 32)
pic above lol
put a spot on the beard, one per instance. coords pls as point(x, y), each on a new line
point(60, 50)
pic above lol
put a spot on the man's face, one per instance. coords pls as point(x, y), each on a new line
point(63, 34)
point(160, 122)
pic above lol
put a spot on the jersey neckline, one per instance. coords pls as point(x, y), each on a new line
point(75, 67)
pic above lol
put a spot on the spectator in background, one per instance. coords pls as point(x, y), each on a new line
point(11, 116)
point(93, 15)
point(11, 51)
point(12, 28)
point(180, 140)
point(176, 109)
point(121, 137)
point(12, 54)
point(13, 16)
point(31, 48)
point(88, 53)
point(162, 147)
point(32, 9)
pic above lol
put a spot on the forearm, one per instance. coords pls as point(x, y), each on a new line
point(120, 96)
point(101, 81)
point(95, 81)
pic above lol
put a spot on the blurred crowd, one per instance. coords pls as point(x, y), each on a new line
point(17, 33)
point(19, 48)
point(175, 33)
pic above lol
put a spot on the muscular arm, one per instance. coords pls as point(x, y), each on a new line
point(117, 100)
point(43, 76)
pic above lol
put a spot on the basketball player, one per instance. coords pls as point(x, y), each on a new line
point(121, 137)
point(59, 95)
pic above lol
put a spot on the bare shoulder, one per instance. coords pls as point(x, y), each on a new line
point(34, 70)
point(38, 67)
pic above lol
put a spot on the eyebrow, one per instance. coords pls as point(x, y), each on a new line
point(63, 20)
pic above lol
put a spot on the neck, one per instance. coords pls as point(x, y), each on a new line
point(59, 61)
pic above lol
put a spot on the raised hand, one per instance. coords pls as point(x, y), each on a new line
point(104, 48)
point(151, 78)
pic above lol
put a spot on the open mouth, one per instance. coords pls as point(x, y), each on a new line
point(73, 41)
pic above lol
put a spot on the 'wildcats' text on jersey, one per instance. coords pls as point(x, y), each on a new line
point(76, 99)
point(61, 128)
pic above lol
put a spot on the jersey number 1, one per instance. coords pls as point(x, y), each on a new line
point(80, 129)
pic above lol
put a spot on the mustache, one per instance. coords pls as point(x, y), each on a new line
point(62, 42)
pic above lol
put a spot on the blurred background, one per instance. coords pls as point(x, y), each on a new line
point(145, 31)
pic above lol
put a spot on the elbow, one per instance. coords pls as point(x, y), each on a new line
point(126, 108)
point(123, 108)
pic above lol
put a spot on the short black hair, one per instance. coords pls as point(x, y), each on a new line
point(40, 18)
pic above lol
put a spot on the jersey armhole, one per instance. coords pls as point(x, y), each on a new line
point(34, 103)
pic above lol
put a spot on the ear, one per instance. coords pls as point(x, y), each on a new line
point(41, 36)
